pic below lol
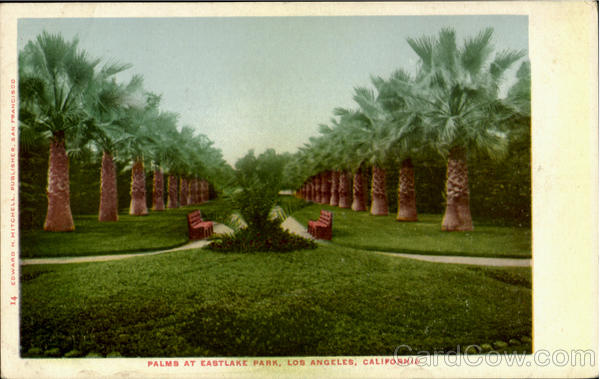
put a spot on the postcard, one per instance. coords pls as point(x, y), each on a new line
point(390, 189)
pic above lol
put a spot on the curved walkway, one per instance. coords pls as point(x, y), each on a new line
point(218, 228)
point(292, 225)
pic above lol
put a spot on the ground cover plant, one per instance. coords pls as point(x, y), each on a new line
point(383, 233)
point(156, 231)
point(328, 301)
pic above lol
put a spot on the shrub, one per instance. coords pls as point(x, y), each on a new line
point(257, 184)
point(257, 181)
point(270, 237)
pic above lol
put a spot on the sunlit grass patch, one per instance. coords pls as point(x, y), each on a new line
point(384, 233)
point(328, 301)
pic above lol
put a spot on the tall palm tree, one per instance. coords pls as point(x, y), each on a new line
point(375, 131)
point(456, 92)
point(353, 128)
point(168, 150)
point(341, 159)
point(407, 140)
point(186, 170)
point(139, 150)
point(53, 77)
point(106, 104)
point(210, 167)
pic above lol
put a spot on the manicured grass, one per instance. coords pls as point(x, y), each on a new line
point(157, 230)
point(384, 233)
point(328, 301)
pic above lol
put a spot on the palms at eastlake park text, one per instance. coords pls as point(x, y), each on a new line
point(292, 362)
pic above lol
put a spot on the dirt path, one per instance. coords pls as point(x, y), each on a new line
point(218, 229)
point(292, 225)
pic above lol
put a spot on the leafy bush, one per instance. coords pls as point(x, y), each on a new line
point(257, 184)
point(269, 238)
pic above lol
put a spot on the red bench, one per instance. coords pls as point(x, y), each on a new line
point(321, 228)
point(198, 228)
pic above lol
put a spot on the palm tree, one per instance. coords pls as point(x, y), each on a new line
point(106, 103)
point(519, 95)
point(175, 165)
point(186, 171)
point(340, 157)
point(375, 131)
point(406, 136)
point(352, 128)
point(53, 77)
point(164, 128)
point(211, 167)
point(456, 94)
point(138, 150)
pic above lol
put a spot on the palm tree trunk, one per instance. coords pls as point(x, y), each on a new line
point(458, 213)
point(197, 190)
point(192, 191)
point(172, 201)
point(203, 191)
point(158, 201)
point(358, 201)
point(325, 187)
point(207, 190)
point(138, 205)
point(109, 201)
point(379, 205)
point(183, 190)
point(317, 188)
point(407, 203)
point(58, 216)
point(335, 181)
point(306, 193)
point(345, 200)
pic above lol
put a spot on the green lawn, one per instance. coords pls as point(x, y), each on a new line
point(329, 301)
point(384, 233)
point(157, 230)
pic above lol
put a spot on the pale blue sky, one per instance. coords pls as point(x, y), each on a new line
point(253, 82)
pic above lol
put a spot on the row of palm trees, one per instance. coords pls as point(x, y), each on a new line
point(67, 98)
point(450, 108)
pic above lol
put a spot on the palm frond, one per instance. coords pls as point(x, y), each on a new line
point(423, 47)
point(445, 50)
point(113, 67)
point(365, 98)
point(503, 61)
point(476, 50)
point(401, 75)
